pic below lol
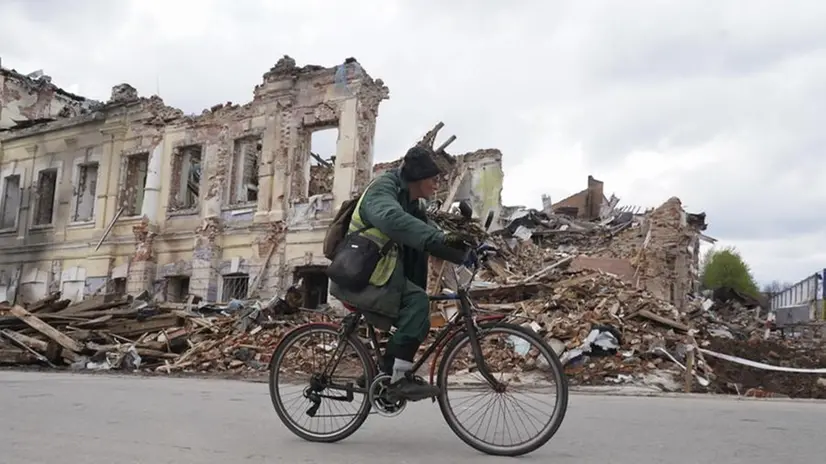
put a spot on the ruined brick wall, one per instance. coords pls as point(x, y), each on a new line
point(586, 203)
point(665, 263)
point(238, 197)
point(25, 99)
point(577, 202)
point(663, 250)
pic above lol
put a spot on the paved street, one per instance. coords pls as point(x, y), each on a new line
point(91, 419)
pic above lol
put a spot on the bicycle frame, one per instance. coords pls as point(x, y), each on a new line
point(465, 321)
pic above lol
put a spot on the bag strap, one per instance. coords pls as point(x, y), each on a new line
point(367, 226)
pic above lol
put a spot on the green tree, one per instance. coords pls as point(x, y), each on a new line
point(726, 268)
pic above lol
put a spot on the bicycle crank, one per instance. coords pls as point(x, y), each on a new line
point(378, 398)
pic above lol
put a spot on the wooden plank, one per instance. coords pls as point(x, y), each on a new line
point(46, 329)
point(253, 289)
point(132, 327)
point(506, 289)
point(94, 322)
point(548, 269)
point(44, 302)
point(92, 304)
point(95, 313)
point(12, 356)
point(31, 342)
point(662, 320)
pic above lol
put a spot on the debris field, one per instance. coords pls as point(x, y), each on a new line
point(577, 283)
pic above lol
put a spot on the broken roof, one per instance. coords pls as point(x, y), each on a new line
point(124, 95)
point(40, 82)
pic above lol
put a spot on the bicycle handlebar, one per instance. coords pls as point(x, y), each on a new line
point(476, 256)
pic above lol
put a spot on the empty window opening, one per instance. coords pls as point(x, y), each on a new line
point(85, 194)
point(244, 180)
point(11, 202)
point(137, 167)
point(177, 289)
point(119, 286)
point(46, 189)
point(186, 178)
point(312, 282)
point(322, 161)
point(235, 286)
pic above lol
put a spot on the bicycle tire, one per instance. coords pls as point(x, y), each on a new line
point(277, 358)
point(558, 373)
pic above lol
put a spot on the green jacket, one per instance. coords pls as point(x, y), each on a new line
point(386, 207)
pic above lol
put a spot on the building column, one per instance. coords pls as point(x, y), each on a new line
point(205, 259)
point(144, 265)
point(152, 190)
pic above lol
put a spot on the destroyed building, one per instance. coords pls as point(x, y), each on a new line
point(588, 204)
point(30, 99)
point(130, 194)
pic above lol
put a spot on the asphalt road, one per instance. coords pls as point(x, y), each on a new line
point(93, 419)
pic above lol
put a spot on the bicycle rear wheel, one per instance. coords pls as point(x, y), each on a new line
point(297, 384)
point(504, 345)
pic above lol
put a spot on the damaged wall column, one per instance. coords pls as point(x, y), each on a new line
point(205, 259)
point(284, 132)
point(354, 150)
point(206, 254)
point(142, 269)
point(266, 171)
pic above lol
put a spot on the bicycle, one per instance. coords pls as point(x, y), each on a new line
point(467, 328)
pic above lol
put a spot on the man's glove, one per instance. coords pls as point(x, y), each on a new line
point(451, 248)
point(456, 241)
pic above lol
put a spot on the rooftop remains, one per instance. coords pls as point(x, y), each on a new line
point(32, 99)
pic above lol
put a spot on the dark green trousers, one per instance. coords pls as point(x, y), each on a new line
point(412, 325)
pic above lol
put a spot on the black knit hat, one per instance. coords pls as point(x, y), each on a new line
point(418, 164)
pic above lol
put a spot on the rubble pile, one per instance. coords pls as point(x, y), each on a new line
point(104, 333)
point(602, 294)
point(593, 290)
point(456, 224)
point(604, 329)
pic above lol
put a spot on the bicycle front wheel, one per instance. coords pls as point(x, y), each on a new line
point(497, 423)
point(317, 407)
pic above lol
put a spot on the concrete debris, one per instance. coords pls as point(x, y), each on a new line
point(230, 204)
point(618, 298)
point(123, 93)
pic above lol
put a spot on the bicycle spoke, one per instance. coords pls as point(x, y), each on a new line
point(305, 359)
point(509, 419)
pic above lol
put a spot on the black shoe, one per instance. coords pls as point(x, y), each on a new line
point(412, 388)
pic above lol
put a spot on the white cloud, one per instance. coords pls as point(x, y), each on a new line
point(715, 102)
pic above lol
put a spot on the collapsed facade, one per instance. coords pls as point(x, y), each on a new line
point(657, 249)
point(131, 195)
point(30, 99)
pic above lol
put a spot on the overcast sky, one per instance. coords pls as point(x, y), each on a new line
point(720, 103)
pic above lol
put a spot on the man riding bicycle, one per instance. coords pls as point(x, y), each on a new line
point(391, 210)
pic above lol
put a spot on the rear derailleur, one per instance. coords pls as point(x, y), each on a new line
point(314, 393)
